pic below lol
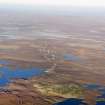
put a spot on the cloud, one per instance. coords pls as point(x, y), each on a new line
point(57, 2)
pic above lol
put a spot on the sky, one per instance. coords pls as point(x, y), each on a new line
point(56, 2)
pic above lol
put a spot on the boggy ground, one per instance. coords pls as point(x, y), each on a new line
point(71, 50)
point(49, 54)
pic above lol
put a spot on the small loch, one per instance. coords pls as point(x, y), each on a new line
point(71, 57)
point(72, 101)
point(100, 100)
point(7, 75)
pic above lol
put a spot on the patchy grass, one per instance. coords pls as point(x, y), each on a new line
point(100, 100)
point(61, 90)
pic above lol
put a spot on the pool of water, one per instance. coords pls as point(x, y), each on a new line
point(71, 57)
point(100, 103)
point(7, 75)
point(93, 86)
point(4, 62)
point(72, 102)
point(97, 87)
point(77, 102)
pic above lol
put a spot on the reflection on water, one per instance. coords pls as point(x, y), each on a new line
point(6, 74)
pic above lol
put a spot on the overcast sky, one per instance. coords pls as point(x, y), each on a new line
point(56, 2)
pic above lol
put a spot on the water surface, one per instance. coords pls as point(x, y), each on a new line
point(72, 101)
point(7, 74)
point(71, 57)
point(100, 100)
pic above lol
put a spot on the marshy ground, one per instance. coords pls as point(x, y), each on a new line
point(50, 61)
